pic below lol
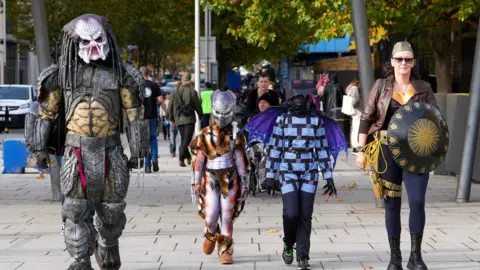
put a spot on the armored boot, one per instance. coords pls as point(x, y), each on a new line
point(395, 254)
point(415, 262)
point(83, 264)
point(209, 243)
point(225, 248)
point(78, 232)
point(108, 257)
point(110, 222)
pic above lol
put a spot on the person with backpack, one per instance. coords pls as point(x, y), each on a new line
point(185, 102)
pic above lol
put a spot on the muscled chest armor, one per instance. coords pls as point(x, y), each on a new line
point(93, 106)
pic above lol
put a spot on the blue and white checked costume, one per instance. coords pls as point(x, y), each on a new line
point(298, 148)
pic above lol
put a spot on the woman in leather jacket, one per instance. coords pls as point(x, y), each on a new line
point(401, 84)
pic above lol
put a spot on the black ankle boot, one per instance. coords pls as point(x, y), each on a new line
point(415, 262)
point(395, 254)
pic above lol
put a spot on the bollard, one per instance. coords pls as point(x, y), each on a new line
point(7, 115)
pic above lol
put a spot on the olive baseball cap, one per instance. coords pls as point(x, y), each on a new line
point(402, 46)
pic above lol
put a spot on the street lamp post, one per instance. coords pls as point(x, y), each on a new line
point(470, 143)
point(362, 42)
point(197, 55)
point(365, 66)
point(44, 60)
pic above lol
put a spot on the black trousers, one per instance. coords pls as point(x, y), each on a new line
point(186, 135)
point(416, 186)
point(297, 220)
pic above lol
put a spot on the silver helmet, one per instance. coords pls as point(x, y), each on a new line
point(223, 104)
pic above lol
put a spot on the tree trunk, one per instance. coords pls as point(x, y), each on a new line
point(443, 74)
point(222, 74)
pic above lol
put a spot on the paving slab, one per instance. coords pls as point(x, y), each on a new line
point(163, 230)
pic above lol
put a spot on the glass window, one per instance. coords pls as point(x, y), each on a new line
point(9, 92)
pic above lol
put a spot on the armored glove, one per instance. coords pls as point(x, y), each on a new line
point(329, 188)
point(133, 163)
point(42, 159)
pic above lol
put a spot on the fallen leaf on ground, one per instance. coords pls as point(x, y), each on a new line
point(272, 230)
point(354, 185)
point(339, 199)
point(368, 267)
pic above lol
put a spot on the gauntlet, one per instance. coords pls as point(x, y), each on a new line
point(138, 133)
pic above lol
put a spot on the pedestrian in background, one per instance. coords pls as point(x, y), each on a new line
point(205, 98)
point(185, 102)
point(153, 96)
point(353, 90)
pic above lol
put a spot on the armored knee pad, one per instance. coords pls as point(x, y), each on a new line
point(110, 222)
point(79, 232)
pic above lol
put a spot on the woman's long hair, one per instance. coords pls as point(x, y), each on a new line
point(354, 82)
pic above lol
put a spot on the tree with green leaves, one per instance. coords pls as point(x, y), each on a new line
point(439, 25)
point(157, 27)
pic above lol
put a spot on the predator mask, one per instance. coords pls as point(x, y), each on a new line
point(223, 105)
point(91, 35)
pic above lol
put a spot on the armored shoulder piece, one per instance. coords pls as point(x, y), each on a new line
point(37, 126)
point(137, 79)
point(48, 78)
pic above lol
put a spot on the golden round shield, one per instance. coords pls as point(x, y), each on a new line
point(418, 137)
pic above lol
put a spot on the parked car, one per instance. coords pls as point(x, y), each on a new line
point(20, 99)
point(168, 88)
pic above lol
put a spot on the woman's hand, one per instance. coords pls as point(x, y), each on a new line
point(360, 160)
point(197, 188)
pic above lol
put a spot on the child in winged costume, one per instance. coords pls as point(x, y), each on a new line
point(300, 142)
point(219, 182)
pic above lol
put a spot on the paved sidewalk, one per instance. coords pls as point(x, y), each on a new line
point(164, 232)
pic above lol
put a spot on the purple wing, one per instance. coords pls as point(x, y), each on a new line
point(335, 137)
point(260, 127)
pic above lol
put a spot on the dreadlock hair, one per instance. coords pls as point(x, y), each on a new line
point(68, 62)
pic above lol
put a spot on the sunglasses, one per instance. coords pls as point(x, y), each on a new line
point(399, 60)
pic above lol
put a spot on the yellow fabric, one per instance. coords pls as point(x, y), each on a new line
point(372, 153)
point(403, 98)
point(391, 186)
point(392, 194)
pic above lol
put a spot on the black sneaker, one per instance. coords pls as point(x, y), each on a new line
point(303, 264)
point(287, 254)
point(148, 170)
point(155, 165)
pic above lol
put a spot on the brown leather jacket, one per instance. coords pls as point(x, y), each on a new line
point(376, 105)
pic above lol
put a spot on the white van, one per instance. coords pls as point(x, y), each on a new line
point(20, 100)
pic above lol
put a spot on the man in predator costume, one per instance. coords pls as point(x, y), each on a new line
point(94, 87)
point(219, 182)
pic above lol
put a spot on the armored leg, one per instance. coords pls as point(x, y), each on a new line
point(79, 232)
point(110, 220)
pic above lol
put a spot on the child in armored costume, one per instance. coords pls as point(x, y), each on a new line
point(94, 87)
point(219, 183)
